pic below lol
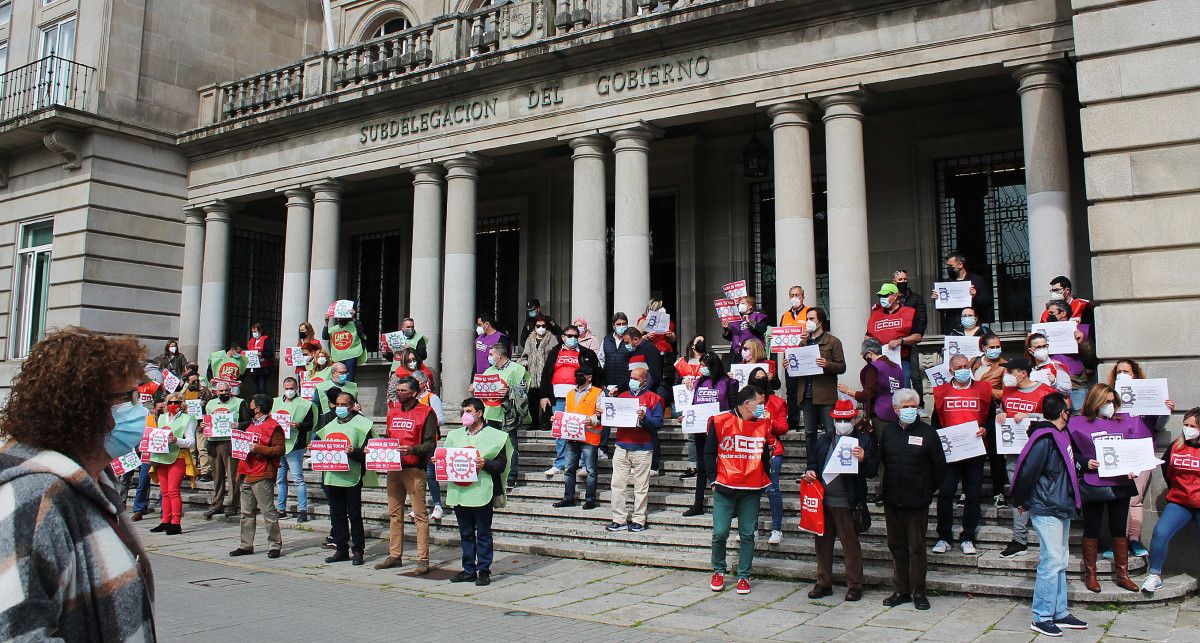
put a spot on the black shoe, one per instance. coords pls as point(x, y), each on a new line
point(356, 558)
point(635, 527)
point(920, 602)
point(615, 526)
point(463, 577)
point(563, 503)
point(162, 526)
point(690, 473)
point(853, 594)
point(485, 578)
point(589, 504)
point(274, 553)
point(896, 599)
point(338, 556)
point(173, 530)
point(283, 515)
point(208, 515)
point(694, 510)
point(302, 517)
point(241, 552)
point(205, 478)
point(1014, 548)
point(820, 592)
point(877, 500)
point(232, 513)
point(1069, 622)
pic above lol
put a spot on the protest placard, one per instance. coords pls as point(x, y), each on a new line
point(735, 289)
point(695, 418)
point(328, 455)
point(961, 441)
point(618, 411)
point(1061, 336)
point(727, 310)
point(129, 462)
point(802, 361)
point(952, 294)
point(383, 454)
point(569, 426)
point(785, 337)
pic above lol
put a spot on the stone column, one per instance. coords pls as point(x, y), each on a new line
point(631, 251)
point(589, 245)
point(790, 123)
point(326, 244)
point(425, 276)
point(217, 232)
point(1047, 177)
point(849, 255)
point(297, 246)
point(458, 300)
point(193, 276)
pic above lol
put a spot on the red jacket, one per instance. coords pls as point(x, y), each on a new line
point(258, 466)
point(409, 428)
point(1181, 468)
point(740, 445)
point(1016, 401)
point(777, 407)
point(957, 406)
point(886, 326)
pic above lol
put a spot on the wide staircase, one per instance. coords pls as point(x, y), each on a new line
point(530, 525)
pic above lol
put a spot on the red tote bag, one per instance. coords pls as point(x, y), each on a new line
point(812, 507)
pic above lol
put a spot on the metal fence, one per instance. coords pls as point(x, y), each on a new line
point(48, 82)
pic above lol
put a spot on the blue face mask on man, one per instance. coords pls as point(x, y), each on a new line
point(620, 329)
point(342, 412)
point(634, 385)
point(884, 302)
point(962, 375)
point(909, 415)
point(571, 342)
point(760, 410)
point(129, 424)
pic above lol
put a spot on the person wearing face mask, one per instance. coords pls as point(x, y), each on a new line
point(776, 414)
point(981, 292)
point(989, 368)
point(410, 364)
point(846, 491)
point(632, 458)
point(968, 325)
point(558, 378)
point(338, 383)
point(1181, 471)
point(1099, 420)
point(149, 394)
point(194, 388)
point(533, 315)
point(538, 346)
point(751, 325)
point(1081, 310)
point(171, 467)
point(475, 502)
point(318, 367)
point(958, 401)
point(1021, 399)
point(1081, 365)
point(737, 457)
point(795, 315)
point(1046, 483)
point(616, 352)
point(1045, 369)
point(220, 452)
point(300, 416)
point(75, 567)
point(687, 370)
point(487, 336)
point(409, 338)
point(511, 413)
point(227, 366)
point(256, 475)
point(664, 344)
point(587, 338)
point(416, 426)
point(893, 325)
point(880, 377)
point(913, 469)
point(817, 393)
point(909, 298)
point(582, 400)
point(306, 340)
point(345, 337)
point(265, 347)
point(755, 352)
point(647, 357)
point(343, 489)
point(172, 359)
point(427, 397)
point(714, 385)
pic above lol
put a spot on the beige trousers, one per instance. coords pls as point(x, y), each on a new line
point(630, 467)
point(260, 496)
point(409, 485)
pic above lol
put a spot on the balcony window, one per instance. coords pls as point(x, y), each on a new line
point(33, 285)
point(393, 26)
point(5, 13)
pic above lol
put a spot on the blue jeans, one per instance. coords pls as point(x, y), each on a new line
point(560, 445)
point(774, 495)
point(475, 532)
point(294, 463)
point(577, 451)
point(1050, 589)
point(431, 483)
point(1173, 518)
point(906, 369)
point(141, 499)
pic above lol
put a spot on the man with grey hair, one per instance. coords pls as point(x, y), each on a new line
point(913, 467)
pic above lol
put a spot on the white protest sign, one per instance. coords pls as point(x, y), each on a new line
point(170, 381)
point(343, 309)
point(240, 443)
point(396, 342)
point(222, 425)
point(159, 441)
point(570, 426)
point(952, 294)
point(308, 389)
point(457, 464)
point(1011, 436)
point(683, 397)
point(1123, 457)
point(892, 354)
point(741, 372)
point(727, 310)
point(841, 460)
point(735, 290)
point(1143, 397)
point(284, 420)
point(295, 357)
point(802, 361)
point(695, 418)
point(328, 455)
point(939, 374)
point(195, 408)
point(657, 322)
point(960, 345)
point(253, 359)
point(960, 441)
point(619, 411)
point(129, 462)
point(1061, 336)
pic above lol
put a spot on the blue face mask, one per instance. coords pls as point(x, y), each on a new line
point(492, 360)
point(634, 385)
point(129, 424)
point(342, 412)
point(620, 330)
point(704, 371)
point(571, 342)
point(968, 322)
point(760, 410)
point(909, 415)
point(532, 314)
point(884, 302)
point(962, 375)
point(992, 353)
point(339, 379)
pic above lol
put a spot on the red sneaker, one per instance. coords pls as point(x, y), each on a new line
point(743, 586)
point(718, 582)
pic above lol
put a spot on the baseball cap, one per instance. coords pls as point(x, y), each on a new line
point(888, 288)
point(532, 303)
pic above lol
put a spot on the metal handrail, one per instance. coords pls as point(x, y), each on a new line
point(48, 82)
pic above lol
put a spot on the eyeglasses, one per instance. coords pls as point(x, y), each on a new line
point(569, 335)
point(539, 325)
point(123, 396)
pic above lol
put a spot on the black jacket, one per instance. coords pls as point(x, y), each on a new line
point(981, 302)
point(915, 301)
point(855, 485)
point(913, 464)
point(616, 362)
point(586, 356)
point(1043, 485)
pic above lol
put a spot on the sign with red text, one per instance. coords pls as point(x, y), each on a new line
point(489, 388)
point(126, 463)
point(383, 454)
point(329, 455)
point(735, 290)
point(727, 310)
point(284, 420)
point(456, 464)
point(158, 441)
point(240, 442)
point(569, 426)
point(785, 337)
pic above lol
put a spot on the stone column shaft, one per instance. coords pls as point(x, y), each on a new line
point(458, 301)
point(297, 247)
point(326, 244)
point(217, 233)
point(193, 280)
point(790, 123)
point(589, 251)
point(631, 251)
point(425, 276)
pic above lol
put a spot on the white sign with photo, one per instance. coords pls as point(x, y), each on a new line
point(952, 294)
point(960, 442)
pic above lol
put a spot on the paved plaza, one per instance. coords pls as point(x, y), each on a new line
point(203, 594)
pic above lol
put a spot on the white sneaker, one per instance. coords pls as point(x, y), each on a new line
point(437, 513)
point(603, 457)
point(776, 537)
point(552, 471)
point(411, 516)
point(580, 474)
point(1153, 584)
point(654, 473)
point(967, 547)
point(941, 547)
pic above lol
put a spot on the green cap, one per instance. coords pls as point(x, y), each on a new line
point(888, 289)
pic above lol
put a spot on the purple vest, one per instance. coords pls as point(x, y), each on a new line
point(889, 379)
point(1083, 432)
point(1062, 440)
point(1071, 362)
point(738, 335)
point(483, 344)
point(709, 391)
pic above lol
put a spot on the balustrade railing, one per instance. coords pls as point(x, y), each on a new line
point(48, 82)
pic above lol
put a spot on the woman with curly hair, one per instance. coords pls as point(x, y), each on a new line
point(76, 568)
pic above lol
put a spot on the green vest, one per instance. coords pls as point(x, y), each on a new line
point(518, 380)
point(351, 343)
point(179, 427)
point(234, 406)
point(322, 399)
point(298, 409)
point(489, 441)
point(357, 430)
point(408, 343)
point(219, 360)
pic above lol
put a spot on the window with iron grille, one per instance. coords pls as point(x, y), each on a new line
point(983, 214)
point(497, 267)
point(255, 285)
point(375, 273)
point(763, 244)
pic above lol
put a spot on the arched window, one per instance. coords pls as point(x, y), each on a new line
point(393, 26)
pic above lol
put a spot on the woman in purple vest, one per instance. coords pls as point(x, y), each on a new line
point(713, 385)
point(751, 325)
point(879, 378)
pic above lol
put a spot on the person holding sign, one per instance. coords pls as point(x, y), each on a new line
point(910, 299)
point(416, 427)
point(775, 413)
point(614, 357)
point(914, 466)
point(656, 331)
point(172, 466)
point(687, 371)
point(344, 488)
point(307, 342)
point(474, 502)
point(755, 352)
point(893, 325)
point(408, 338)
point(1022, 397)
point(751, 324)
point(344, 333)
point(195, 396)
point(845, 492)
point(1045, 483)
point(510, 413)
point(486, 336)
point(795, 316)
point(880, 377)
point(1081, 365)
point(737, 458)
point(1123, 370)
point(989, 367)
point(257, 475)
point(534, 357)
point(980, 290)
point(959, 401)
point(713, 386)
point(1181, 470)
point(1046, 370)
point(264, 348)
point(228, 365)
point(410, 362)
point(582, 400)
point(300, 416)
point(339, 382)
point(558, 377)
point(817, 393)
point(1096, 423)
point(230, 413)
point(646, 356)
point(632, 458)
point(1081, 310)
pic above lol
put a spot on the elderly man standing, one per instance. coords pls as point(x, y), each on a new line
point(220, 451)
point(632, 458)
point(257, 477)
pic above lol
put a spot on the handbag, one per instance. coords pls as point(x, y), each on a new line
point(1093, 493)
point(861, 515)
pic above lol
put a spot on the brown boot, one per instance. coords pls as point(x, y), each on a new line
point(1121, 564)
point(1090, 547)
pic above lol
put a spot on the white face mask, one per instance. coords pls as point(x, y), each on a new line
point(843, 428)
point(1123, 376)
point(1041, 354)
point(540, 330)
point(1107, 410)
point(173, 350)
point(1056, 295)
point(1190, 433)
point(479, 331)
point(795, 302)
point(289, 393)
point(322, 360)
point(743, 308)
point(810, 326)
point(1010, 380)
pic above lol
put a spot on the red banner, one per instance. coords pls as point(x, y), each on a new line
point(383, 454)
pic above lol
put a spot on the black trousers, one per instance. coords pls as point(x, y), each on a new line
point(1118, 516)
point(906, 541)
point(701, 468)
point(345, 506)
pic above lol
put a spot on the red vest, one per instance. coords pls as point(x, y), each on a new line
point(886, 326)
point(957, 406)
point(740, 446)
point(257, 466)
point(1077, 307)
point(777, 407)
point(565, 366)
point(1015, 401)
point(636, 434)
point(407, 426)
point(403, 372)
point(1183, 470)
point(259, 345)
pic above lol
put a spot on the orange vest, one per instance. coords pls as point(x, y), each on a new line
point(407, 426)
point(586, 406)
point(789, 319)
point(740, 447)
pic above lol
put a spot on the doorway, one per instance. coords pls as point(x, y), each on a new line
point(498, 271)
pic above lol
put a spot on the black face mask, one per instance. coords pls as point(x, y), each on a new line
point(580, 379)
point(952, 273)
point(762, 384)
point(302, 334)
point(194, 386)
point(699, 348)
point(224, 397)
point(902, 287)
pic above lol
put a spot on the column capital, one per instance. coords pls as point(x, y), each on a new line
point(591, 146)
point(220, 211)
point(297, 196)
point(466, 165)
point(1038, 75)
point(327, 190)
point(792, 113)
point(847, 105)
point(427, 173)
point(636, 135)
point(193, 216)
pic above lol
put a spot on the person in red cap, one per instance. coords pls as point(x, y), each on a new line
point(844, 492)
